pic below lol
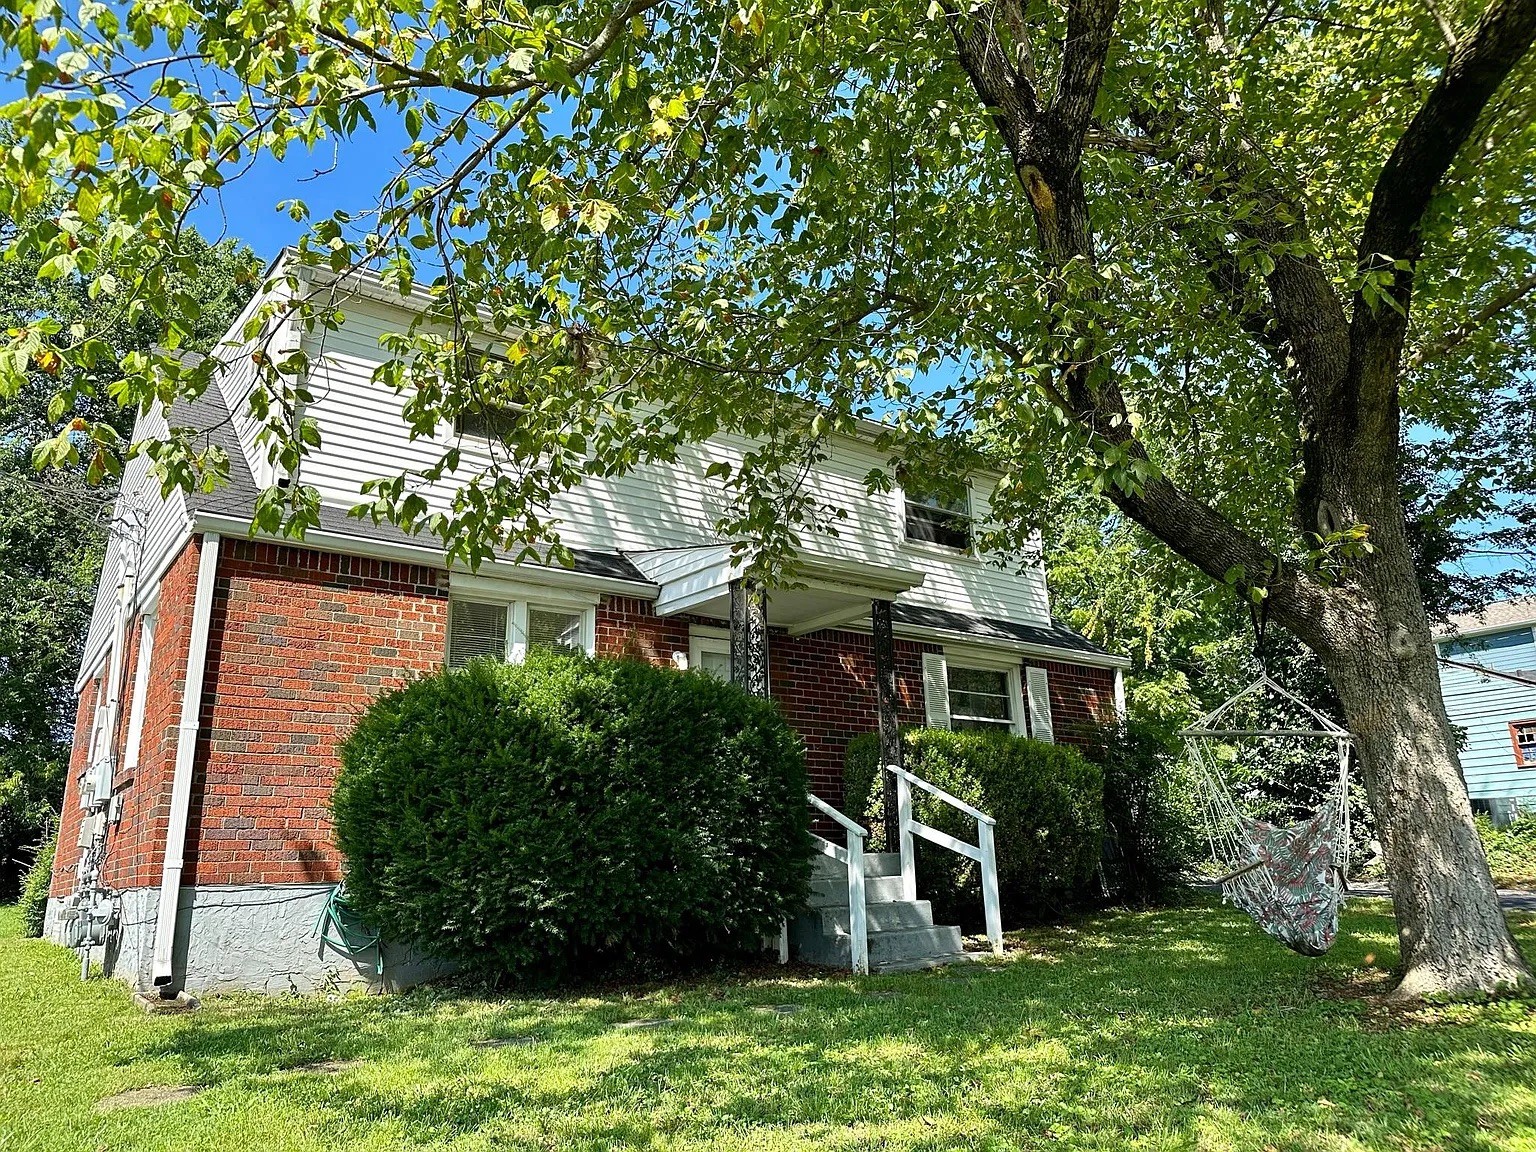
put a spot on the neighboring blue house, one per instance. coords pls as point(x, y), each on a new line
point(1497, 712)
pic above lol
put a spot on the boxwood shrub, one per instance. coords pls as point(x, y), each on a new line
point(1048, 801)
point(573, 817)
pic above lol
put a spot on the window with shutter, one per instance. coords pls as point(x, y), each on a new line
point(475, 628)
point(979, 699)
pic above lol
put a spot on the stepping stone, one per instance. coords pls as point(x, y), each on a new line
point(329, 1067)
point(631, 1024)
point(780, 1009)
point(147, 1097)
point(504, 1042)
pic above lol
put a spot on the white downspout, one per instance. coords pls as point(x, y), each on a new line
point(186, 753)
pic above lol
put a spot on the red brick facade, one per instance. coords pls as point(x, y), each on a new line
point(1081, 696)
point(300, 642)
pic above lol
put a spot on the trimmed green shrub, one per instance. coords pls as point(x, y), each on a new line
point(571, 817)
point(1046, 798)
point(34, 889)
point(1511, 850)
point(1150, 816)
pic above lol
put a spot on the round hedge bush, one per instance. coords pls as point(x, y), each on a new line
point(573, 817)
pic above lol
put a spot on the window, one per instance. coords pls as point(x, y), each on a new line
point(1522, 734)
point(710, 653)
point(487, 422)
point(981, 699)
point(942, 520)
point(482, 418)
point(506, 630)
point(555, 628)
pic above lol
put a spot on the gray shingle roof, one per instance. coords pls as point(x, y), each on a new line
point(1499, 614)
point(1056, 635)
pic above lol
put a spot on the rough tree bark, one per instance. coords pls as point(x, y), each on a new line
point(1370, 630)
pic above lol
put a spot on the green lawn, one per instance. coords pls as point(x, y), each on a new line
point(1177, 1029)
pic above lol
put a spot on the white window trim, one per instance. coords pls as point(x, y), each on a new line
point(928, 547)
point(989, 662)
point(702, 639)
point(519, 597)
point(141, 673)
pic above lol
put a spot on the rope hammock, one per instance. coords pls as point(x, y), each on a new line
point(1289, 877)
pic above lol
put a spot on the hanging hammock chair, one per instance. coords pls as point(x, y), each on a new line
point(1289, 877)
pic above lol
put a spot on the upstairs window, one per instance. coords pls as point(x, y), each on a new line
point(487, 422)
point(1522, 734)
point(484, 418)
point(944, 520)
point(507, 630)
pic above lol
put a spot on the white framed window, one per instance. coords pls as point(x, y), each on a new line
point(983, 699)
point(483, 621)
point(941, 519)
point(975, 692)
point(709, 650)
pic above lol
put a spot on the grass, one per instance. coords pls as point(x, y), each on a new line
point(1511, 851)
point(1181, 1029)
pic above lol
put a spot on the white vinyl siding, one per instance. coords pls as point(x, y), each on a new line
point(159, 531)
point(654, 507)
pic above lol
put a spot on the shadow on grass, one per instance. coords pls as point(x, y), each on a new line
point(1179, 1027)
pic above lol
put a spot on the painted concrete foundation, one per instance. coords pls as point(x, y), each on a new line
point(247, 938)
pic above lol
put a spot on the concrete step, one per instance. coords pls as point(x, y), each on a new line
point(902, 945)
point(893, 950)
point(830, 891)
point(877, 917)
point(875, 864)
point(882, 917)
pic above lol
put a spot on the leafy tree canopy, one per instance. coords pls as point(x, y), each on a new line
point(53, 529)
point(784, 200)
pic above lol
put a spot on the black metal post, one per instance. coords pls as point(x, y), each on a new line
point(888, 708)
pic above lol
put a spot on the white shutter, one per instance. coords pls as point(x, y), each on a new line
point(936, 689)
point(1037, 685)
point(475, 628)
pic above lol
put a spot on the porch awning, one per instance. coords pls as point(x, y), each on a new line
point(829, 592)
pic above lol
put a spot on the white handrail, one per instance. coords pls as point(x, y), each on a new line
point(984, 851)
point(853, 857)
point(934, 789)
point(827, 810)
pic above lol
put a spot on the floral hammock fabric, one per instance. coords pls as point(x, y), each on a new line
point(1289, 877)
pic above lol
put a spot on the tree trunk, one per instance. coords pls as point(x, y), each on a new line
point(1381, 660)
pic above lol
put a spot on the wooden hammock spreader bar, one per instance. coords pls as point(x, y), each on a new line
point(1243, 871)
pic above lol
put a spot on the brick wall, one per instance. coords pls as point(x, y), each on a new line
point(825, 685)
point(301, 641)
point(1080, 697)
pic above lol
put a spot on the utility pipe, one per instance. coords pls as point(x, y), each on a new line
point(186, 754)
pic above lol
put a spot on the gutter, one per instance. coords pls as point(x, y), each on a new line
point(322, 540)
point(186, 753)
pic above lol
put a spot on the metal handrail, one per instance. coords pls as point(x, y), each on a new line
point(984, 851)
point(852, 857)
